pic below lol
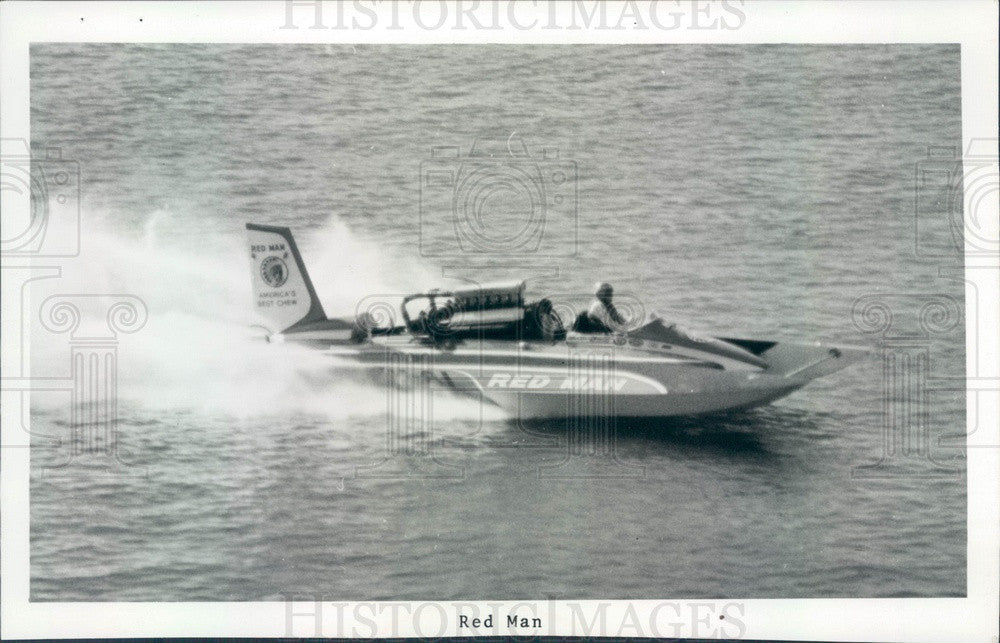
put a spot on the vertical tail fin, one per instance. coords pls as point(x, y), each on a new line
point(283, 295)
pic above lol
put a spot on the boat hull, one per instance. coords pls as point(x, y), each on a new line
point(539, 406)
point(588, 379)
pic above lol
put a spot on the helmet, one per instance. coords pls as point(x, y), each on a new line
point(603, 288)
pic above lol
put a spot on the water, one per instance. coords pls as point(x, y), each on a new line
point(747, 191)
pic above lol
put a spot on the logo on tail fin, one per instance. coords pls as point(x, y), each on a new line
point(283, 295)
point(274, 271)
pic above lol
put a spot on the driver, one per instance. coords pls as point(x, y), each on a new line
point(602, 311)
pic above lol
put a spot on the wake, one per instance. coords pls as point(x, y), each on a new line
point(196, 350)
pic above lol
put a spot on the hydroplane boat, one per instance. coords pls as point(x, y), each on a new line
point(486, 340)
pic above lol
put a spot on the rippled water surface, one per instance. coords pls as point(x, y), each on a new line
point(746, 191)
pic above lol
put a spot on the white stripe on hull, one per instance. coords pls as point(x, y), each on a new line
point(523, 355)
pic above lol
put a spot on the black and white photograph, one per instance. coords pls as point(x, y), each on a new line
point(633, 322)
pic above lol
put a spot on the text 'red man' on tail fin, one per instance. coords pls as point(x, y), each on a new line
point(283, 295)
